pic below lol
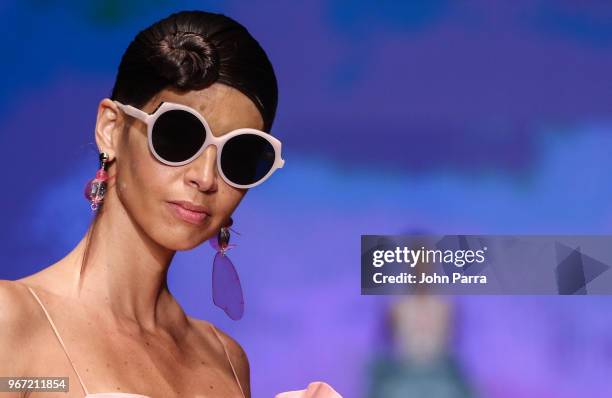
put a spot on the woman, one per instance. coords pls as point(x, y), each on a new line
point(103, 313)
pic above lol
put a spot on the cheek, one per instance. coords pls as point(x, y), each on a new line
point(143, 187)
point(139, 176)
point(141, 183)
point(228, 198)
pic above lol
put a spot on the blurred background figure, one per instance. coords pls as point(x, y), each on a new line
point(421, 362)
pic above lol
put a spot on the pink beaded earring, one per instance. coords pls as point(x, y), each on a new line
point(226, 289)
point(95, 189)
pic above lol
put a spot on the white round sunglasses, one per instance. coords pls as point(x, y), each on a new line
point(178, 134)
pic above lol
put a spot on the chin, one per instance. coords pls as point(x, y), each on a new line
point(183, 241)
point(180, 235)
point(181, 246)
point(177, 238)
point(185, 246)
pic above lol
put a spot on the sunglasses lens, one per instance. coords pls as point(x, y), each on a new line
point(177, 135)
point(247, 158)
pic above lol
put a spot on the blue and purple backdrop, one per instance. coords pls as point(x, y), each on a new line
point(449, 117)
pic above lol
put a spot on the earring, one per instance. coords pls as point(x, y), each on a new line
point(226, 288)
point(95, 189)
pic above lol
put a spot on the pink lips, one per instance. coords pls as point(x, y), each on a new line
point(191, 216)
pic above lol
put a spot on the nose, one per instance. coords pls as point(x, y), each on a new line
point(202, 171)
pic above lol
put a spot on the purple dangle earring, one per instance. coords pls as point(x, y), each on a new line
point(95, 189)
point(226, 289)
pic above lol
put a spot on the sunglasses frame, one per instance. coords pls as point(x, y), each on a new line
point(150, 118)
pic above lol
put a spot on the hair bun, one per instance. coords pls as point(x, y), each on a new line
point(187, 57)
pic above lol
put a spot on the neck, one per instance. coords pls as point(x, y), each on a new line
point(125, 271)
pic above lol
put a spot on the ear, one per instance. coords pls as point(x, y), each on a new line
point(109, 124)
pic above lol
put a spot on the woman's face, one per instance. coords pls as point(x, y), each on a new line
point(144, 186)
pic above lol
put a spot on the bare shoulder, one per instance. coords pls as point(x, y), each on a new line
point(17, 305)
point(234, 348)
point(235, 351)
point(19, 320)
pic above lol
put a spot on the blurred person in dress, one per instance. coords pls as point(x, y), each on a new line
point(419, 361)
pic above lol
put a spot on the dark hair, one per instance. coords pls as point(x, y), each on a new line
point(191, 50)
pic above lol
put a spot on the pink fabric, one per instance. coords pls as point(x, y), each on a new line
point(316, 389)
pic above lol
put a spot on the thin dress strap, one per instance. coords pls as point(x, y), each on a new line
point(59, 338)
point(228, 358)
